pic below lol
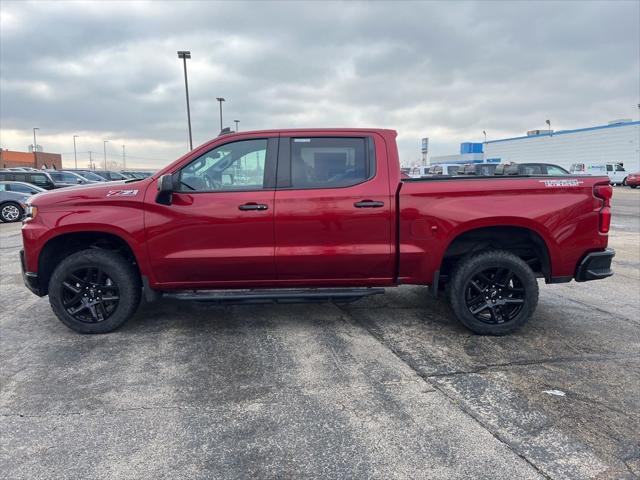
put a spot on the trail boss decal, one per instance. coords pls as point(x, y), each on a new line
point(569, 182)
point(122, 193)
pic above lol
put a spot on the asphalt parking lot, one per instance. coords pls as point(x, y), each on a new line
point(388, 387)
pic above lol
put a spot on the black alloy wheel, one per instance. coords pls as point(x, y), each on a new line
point(495, 295)
point(90, 295)
point(95, 290)
point(493, 292)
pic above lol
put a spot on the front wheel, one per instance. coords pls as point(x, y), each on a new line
point(94, 291)
point(10, 212)
point(493, 293)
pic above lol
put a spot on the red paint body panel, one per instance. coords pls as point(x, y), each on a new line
point(317, 237)
point(203, 238)
point(321, 235)
point(566, 218)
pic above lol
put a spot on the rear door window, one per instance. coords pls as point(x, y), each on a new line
point(39, 179)
point(330, 162)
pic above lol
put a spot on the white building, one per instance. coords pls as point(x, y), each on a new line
point(617, 142)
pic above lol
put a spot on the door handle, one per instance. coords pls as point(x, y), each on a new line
point(368, 204)
point(253, 206)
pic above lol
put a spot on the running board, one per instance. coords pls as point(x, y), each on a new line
point(283, 295)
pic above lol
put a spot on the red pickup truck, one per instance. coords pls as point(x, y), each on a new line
point(309, 215)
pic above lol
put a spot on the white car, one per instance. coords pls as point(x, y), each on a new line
point(615, 171)
point(439, 169)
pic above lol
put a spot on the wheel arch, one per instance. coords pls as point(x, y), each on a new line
point(61, 246)
point(523, 241)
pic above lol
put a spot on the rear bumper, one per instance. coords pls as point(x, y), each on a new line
point(595, 266)
point(30, 279)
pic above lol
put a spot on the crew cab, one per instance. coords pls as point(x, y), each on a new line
point(312, 215)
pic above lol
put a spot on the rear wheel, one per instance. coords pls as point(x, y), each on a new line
point(10, 212)
point(94, 291)
point(493, 293)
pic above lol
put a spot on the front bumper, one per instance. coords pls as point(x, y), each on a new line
point(595, 266)
point(30, 279)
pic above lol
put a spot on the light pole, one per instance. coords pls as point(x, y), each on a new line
point(124, 162)
point(548, 122)
point(35, 148)
point(220, 99)
point(91, 166)
point(104, 146)
point(184, 54)
point(484, 132)
point(237, 122)
point(35, 143)
point(75, 154)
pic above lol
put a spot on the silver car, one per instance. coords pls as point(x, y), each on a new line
point(12, 205)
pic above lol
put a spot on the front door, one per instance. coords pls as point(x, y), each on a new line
point(218, 229)
point(333, 221)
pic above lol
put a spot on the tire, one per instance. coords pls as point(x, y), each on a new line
point(11, 212)
point(509, 288)
point(83, 290)
point(624, 182)
point(633, 186)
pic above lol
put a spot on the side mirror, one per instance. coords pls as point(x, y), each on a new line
point(165, 190)
point(79, 180)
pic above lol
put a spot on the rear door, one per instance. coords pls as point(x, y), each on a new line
point(333, 210)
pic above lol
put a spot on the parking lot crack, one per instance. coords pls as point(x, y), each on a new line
point(595, 307)
point(426, 378)
point(541, 361)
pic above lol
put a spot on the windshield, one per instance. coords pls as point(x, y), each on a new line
point(91, 176)
point(65, 177)
point(116, 176)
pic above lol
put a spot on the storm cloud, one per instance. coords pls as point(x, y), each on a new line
point(109, 70)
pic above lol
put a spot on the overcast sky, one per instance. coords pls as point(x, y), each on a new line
point(446, 70)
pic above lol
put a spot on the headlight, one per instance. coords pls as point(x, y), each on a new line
point(30, 213)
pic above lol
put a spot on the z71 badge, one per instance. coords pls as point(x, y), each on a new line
point(556, 182)
point(122, 193)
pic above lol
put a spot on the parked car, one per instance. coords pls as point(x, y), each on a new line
point(136, 174)
point(12, 205)
point(67, 178)
point(22, 169)
point(440, 169)
point(615, 171)
point(88, 174)
point(633, 180)
point(109, 175)
point(20, 187)
point(311, 215)
point(483, 169)
point(529, 169)
point(38, 178)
